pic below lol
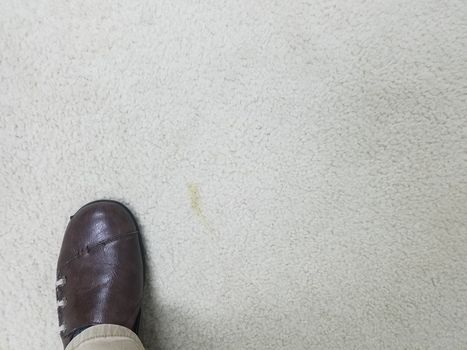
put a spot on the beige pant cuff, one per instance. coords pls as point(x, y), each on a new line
point(106, 337)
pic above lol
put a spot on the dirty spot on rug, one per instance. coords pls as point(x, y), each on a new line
point(195, 198)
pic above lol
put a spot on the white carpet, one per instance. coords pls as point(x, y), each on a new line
point(299, 169)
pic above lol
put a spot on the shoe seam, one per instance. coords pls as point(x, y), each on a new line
point(90, 247)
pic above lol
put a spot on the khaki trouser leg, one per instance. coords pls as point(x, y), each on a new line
point(106, 337)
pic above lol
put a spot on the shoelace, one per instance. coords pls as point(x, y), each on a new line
point(62, 302)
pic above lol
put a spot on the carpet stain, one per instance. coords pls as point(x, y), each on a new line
point(195, 198)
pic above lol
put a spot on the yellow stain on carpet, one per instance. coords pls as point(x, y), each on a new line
point(195, 197)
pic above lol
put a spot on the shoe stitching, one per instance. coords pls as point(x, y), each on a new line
point(93, 246)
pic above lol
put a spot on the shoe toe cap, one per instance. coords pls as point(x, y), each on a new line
point(95, 222)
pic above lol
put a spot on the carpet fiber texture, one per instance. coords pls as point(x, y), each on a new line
point(298, 168)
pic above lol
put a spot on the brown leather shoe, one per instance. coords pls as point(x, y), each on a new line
point(100, 270)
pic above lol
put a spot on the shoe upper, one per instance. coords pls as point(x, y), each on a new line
point(100, 273)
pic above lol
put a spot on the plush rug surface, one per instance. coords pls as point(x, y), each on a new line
point(298, 168)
